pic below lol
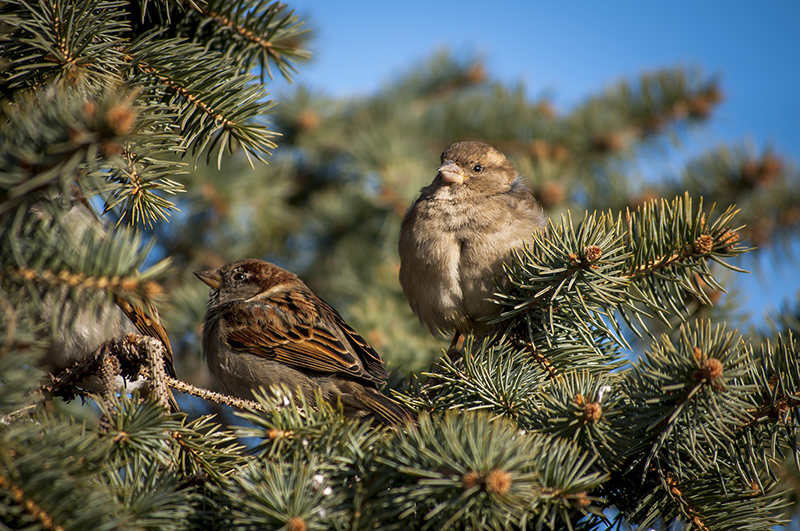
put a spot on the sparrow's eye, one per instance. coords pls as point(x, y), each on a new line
point(239, 276)
point(477, 168)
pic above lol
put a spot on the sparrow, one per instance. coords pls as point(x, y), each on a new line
point(80, 331)
point(456, 236)
point(264, 327)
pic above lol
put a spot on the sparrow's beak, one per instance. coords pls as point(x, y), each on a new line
point(210, 277)
point(451, 173)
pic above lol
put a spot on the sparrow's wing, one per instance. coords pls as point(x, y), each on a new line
point(149, 324)
point(372, 361)
point(267, 330)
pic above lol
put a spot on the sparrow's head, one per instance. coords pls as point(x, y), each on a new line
point(476, 165)
point(244, 280)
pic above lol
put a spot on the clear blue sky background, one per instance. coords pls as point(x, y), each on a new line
point(570, 50)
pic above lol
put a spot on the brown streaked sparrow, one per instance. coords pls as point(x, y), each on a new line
point(264, 327)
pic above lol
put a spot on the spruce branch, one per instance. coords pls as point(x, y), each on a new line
point(205, 449)
point(763, 184)
point(47, 476)
point(586, 408)
point(630, 112)
point(499, 379)
point(152, 496)
point(133, 357)
point(217, 105)
point(695, 502)
point(691, 405)
point(769, 430)
point(285, 494)
point(698, 389)
point(256, 33)
point(89, 140)
point(62, 42)
point(33, 509)
point(467, 468)
point(778, 378)
point(578, 277)
point(60, 256)
point(70, 147)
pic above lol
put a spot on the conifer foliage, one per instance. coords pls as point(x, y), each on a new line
point(620, 384)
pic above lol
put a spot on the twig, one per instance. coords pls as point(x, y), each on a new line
point(219, 398)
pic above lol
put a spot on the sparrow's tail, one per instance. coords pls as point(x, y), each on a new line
point(383, 408)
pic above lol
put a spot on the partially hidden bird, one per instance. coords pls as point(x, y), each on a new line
point(456, 236)
point(81, 330)
point(265, 328)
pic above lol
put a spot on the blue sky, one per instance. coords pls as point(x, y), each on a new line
point(570, 50)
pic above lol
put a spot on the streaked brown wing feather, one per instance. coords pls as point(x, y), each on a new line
point(372, 361)
point(301, 346)
point(150, 325)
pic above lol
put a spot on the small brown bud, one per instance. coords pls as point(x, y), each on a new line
point(714, 94)
point(712, 369)
point(498, 482)
point(476, 73)
point(573, 258)
point(703, 244)
point(646, 196)
point(608, 142)
point(296, 523)
point(112, 148)
point(546, 109)
point(730, 237)
point(770, 167)
point(120, 120)
point(699, 107)
point(592, 412)
point(697, 353)
point(680, 110)
point(308, 120)
point(592, 252)
point(559, 152)
point(582, 500)
point(749, 171)
point(90, 108)
point(540, 149)
point(275, 433)
point(77, 136)
point(151, 289)
point(128, 284)
point(471, 479)
point(773, 381)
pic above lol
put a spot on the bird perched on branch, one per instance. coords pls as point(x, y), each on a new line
point(264, 327)
point(81, 328)
point(456, 236)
